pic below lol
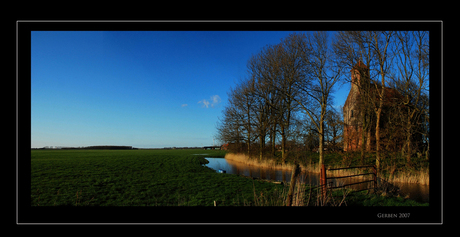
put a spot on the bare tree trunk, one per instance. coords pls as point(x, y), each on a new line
point(378, 113)
point(382, 58)
point(321, 142)
point(261, 147)
point(368, 146)
point(273, 139)
point(408, 142)
point(283, 143)
point(377, 139)
point(363, 145)
point(248, 126)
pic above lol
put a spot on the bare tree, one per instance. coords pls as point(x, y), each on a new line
point(292, 71)
point(260, 109)
point(243, 97)
point(411, 79)
point(229, 128)
point(380, 42)
point(315, 88)
point(334, 129)
point(269, 61)
point(276, 68)
point(235, 126)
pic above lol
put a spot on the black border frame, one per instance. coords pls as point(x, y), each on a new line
point(25, 214)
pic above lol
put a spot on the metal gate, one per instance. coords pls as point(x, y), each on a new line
point(324, 179)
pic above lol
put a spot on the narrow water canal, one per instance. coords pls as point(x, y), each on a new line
point(416, 192)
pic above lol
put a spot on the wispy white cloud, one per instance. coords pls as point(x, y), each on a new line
point(184, 105)
point(205, 103)
point(215, 100)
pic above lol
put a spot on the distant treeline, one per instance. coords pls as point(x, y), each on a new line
point(89, 147)
point(173, 148)
point(110, 148)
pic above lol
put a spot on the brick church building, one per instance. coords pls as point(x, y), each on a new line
point(359, 113)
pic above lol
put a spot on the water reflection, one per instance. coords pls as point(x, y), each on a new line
point(414, 191)
point(252, 171)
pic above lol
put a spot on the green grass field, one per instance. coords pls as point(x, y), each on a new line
point(134, 178)
point(151, 178)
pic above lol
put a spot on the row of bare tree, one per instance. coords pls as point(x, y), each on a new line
point(286, 98)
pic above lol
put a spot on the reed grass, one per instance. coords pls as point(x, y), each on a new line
point(420, 176)
point(271, 164)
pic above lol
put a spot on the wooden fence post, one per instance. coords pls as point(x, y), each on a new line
point(323, 182)
point(295, 173)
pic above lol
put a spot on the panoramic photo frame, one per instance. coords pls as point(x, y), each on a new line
point(29, 214)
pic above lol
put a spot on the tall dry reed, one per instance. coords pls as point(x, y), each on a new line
point(310, 167)
point(421, 177)
point(242, 158)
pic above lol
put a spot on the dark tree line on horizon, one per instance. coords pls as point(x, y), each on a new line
point(102, 147)
point(285, 102)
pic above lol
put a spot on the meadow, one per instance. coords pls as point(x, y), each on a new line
point(156, 178)
point(134, 178)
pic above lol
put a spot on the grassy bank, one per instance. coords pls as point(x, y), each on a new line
point(152, 178)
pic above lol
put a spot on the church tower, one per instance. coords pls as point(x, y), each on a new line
point(358, 109)
point(360, 70)
point(352, 129)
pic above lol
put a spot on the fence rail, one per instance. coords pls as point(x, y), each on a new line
point(324, 178)
point(352, 167)
point(349, 176)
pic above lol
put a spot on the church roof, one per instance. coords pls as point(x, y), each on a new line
point(360, 64)
point(352, 96)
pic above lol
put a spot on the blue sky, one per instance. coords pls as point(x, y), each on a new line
point(141, 89)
